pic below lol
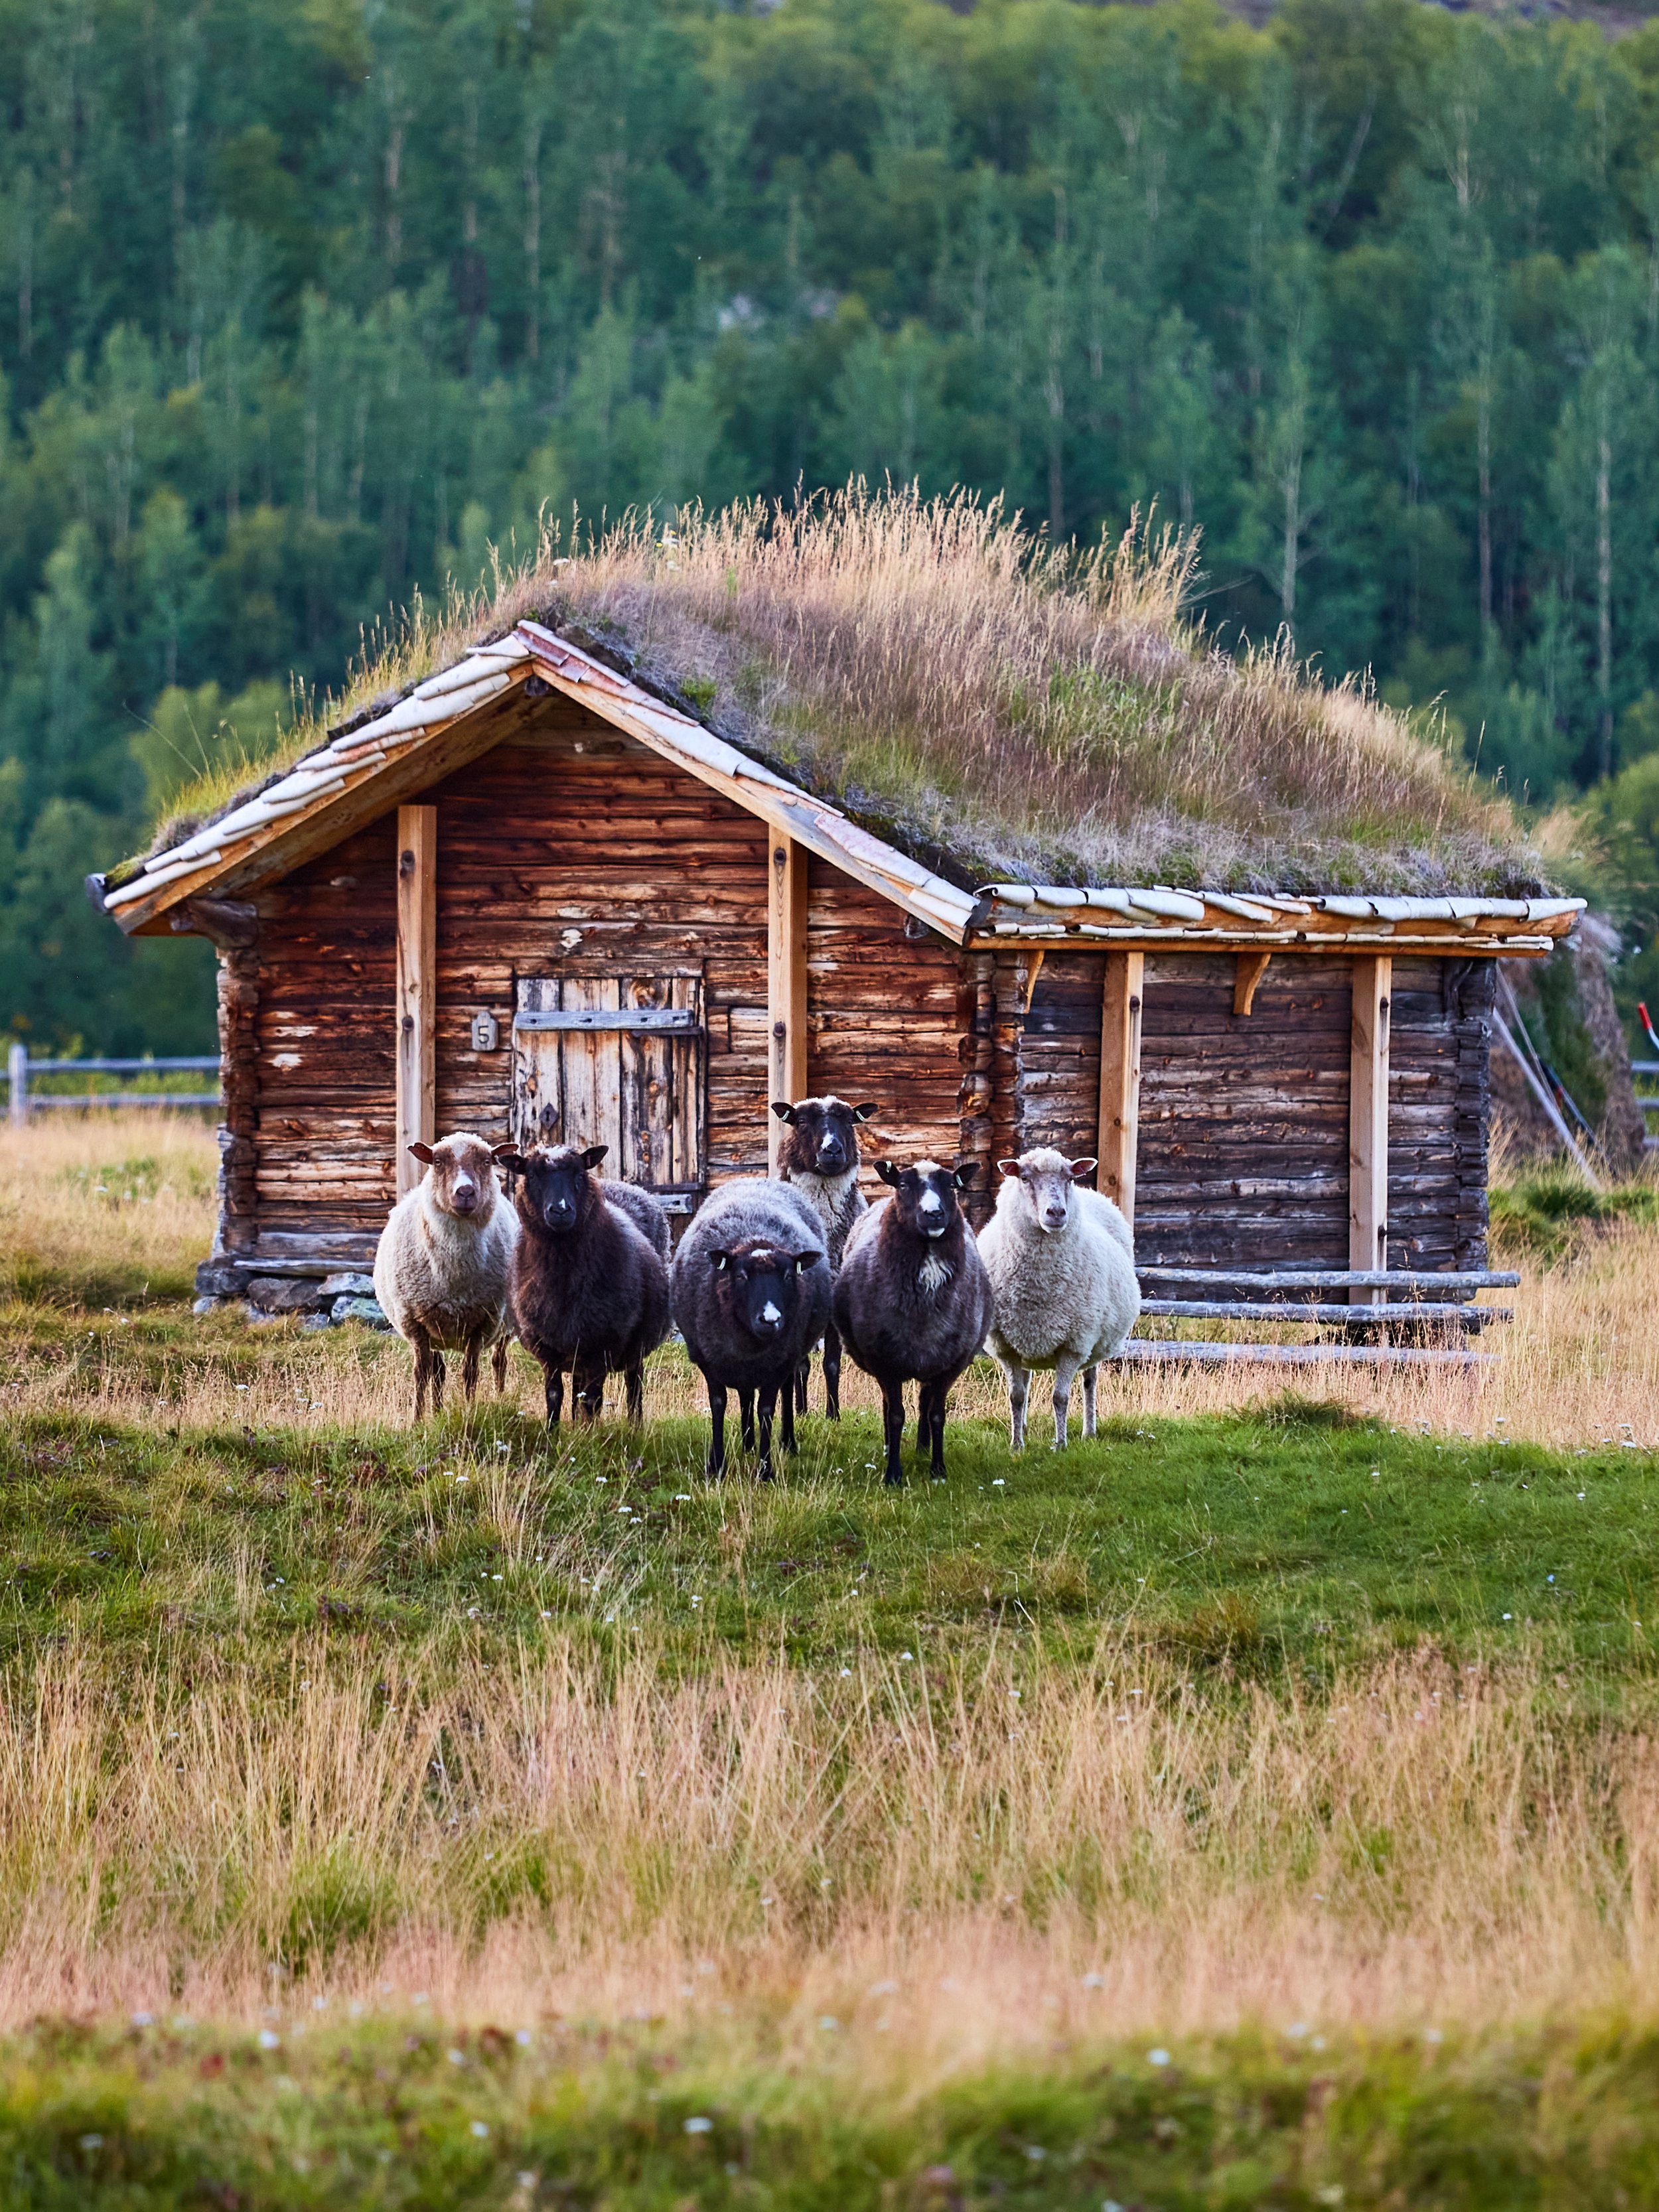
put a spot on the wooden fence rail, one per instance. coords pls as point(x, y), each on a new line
point(23, 1101)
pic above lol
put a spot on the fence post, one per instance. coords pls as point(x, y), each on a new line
point(17, 1074)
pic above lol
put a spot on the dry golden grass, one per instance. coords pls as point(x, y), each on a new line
point(508, 1842)
point(1039, 711)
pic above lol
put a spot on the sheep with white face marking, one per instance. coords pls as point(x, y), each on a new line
point(441, 1265)
point(750, 1286)
point(1062, 1267)
point(818, 1154)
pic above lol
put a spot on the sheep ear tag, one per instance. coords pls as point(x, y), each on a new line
point(422, 1153)
point(783, 1109)
point(720, 1261)
point(863, 1113)
point(966, 1173)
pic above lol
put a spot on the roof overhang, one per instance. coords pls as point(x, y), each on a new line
point(452, 718)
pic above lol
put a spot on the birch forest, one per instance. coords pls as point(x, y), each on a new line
point(309, 307)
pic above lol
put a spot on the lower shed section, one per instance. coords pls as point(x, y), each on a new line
point(574, 938)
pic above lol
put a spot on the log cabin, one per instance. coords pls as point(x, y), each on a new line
point(540, 895)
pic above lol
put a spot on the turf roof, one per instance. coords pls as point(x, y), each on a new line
point(996, 707)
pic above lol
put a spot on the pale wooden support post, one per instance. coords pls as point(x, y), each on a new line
point(17, 1072)
point(1368, 1122)
point(786, 981)
point(1120, 1079)
point(417, 987)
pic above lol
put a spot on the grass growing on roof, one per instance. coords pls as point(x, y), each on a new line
point(1036, 711)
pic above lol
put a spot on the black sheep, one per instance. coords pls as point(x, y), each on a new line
point(750, 1288)
point(588, 1284)
point(913, 1300)
point(819, 1155)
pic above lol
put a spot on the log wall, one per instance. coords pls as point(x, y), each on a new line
point(569, 849)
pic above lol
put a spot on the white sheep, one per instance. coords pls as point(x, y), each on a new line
point(1062, 1267)
point(441, 1264)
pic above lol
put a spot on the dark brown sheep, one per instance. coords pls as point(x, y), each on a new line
point(588, 1286)
point(819, 1155)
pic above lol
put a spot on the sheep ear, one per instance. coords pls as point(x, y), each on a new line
point(966, 1173)
point(422, 1153)
point(887, 1171)
point(863, 1113)
point(1082, 1169)
point(594, 1154)
point(720, 1261)
point(1009, 1168)
point(514, 1162)
point(783, 1109)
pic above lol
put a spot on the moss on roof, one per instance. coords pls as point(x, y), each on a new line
point(998, 706)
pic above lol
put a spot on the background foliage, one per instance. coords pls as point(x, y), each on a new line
point(306, 304)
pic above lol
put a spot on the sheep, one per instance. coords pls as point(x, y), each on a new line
point(588, 1285)
point(441, 1268)
point(1062, 1263)
point(819, 1154)
point(913, 1299)
point(750, 1287)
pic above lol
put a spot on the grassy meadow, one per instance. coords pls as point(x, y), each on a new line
point(1258, 1805)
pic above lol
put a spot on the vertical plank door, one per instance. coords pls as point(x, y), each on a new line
point(616, 1061)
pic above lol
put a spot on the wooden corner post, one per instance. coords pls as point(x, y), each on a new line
point(1368, 1121)
point(418, 986)
point(1120, 1079)
point(786, 981)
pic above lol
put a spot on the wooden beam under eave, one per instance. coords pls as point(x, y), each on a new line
point(786, 980)
point(1120, 1079)
point(417, 987)
point(1367, 1120)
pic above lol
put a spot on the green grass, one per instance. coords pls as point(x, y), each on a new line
point(1548, 1213)
point(583, 2117)
point(1281, 1541)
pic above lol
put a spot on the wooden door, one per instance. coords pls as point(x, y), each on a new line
point(616, 1061)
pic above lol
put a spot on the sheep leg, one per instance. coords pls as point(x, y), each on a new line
point(435, 1373)
point(554, 1377)
point(747, 1419)
point(831, 1374)
point(1090, 1375)
point(1065, 1375)
point(636, 1393)
point(471, 1358)
point(716, 1467)
point(420, 1344)
point(933, 1408)
point(787, 1433)
point(797, 1396)
point(1018, 1381)
point(892, 1400)
point(769, 1400)
point(498, 1362)
point(588, 1385)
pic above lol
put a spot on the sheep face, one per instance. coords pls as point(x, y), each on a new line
point(1046, 1179)
point(825, 1140)
point(555, 1186)
point(460, 1175)
point(925, 1195)
point(760, 1283)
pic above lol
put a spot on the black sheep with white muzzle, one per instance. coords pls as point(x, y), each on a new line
point(818, 1155)
point(750, 1287)
point(912, 1301)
